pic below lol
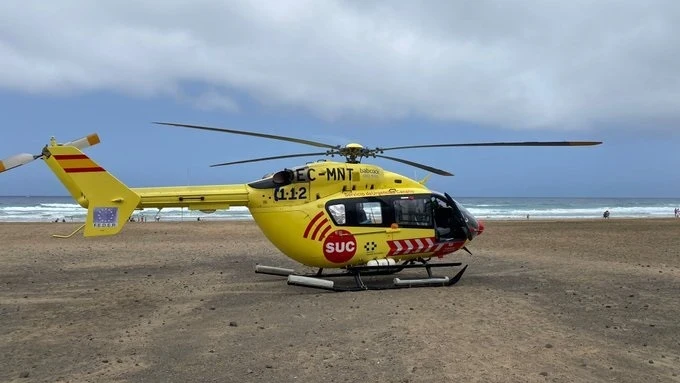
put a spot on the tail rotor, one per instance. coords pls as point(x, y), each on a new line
point(17, 160)
point(24, 158)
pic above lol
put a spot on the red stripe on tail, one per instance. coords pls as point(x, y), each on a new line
point(71, 157)
point(84, 170)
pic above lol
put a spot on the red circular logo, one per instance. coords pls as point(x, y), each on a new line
point(340, 246)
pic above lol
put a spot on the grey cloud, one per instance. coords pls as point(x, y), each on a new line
point(520, 64)
point(214, 100)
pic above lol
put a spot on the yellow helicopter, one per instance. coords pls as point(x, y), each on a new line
point(348, 215)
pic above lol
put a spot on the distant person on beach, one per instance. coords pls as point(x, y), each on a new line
point(605, 215)
point(677, 212)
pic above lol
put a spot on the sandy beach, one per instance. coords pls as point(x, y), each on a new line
point(555, 301)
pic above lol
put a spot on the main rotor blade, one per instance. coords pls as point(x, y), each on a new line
point(421, 166)
point(524, 143)
point(270, 158)
point(245, 133)
point(16, 160)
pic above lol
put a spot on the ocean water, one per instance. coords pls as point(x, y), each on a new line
point(49, 209)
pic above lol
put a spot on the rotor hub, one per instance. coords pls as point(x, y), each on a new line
point(354, 152)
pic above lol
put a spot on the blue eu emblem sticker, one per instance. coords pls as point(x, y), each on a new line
point(105, 216)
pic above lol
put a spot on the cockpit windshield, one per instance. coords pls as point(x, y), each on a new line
point(450, 214)
point(469, 218)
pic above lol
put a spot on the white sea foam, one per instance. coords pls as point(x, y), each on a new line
point(46, 209)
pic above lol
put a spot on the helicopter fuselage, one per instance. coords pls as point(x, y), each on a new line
point(332, 214)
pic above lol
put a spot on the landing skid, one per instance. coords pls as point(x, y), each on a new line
point(317, 280)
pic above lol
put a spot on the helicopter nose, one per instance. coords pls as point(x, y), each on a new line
point(480, 228)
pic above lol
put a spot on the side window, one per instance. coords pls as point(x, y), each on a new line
point(409, 211)
point(338, 213)
point(369, 213)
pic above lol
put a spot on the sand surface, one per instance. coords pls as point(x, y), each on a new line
point(569, 301)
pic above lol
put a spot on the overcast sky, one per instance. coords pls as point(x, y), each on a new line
point(383, 73)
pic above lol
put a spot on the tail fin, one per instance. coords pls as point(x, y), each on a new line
point(108, 201)
point(424, 180)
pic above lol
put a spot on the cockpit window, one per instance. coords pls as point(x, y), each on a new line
point(338, 213)
point(358, 212)
point(369, 213)
point(413, 211)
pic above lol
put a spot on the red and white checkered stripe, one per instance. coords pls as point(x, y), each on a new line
point(421, 246)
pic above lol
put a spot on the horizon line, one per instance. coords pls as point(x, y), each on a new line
point(585, 197)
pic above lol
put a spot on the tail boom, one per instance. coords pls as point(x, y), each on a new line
point(205, 198)
point(110, 203)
